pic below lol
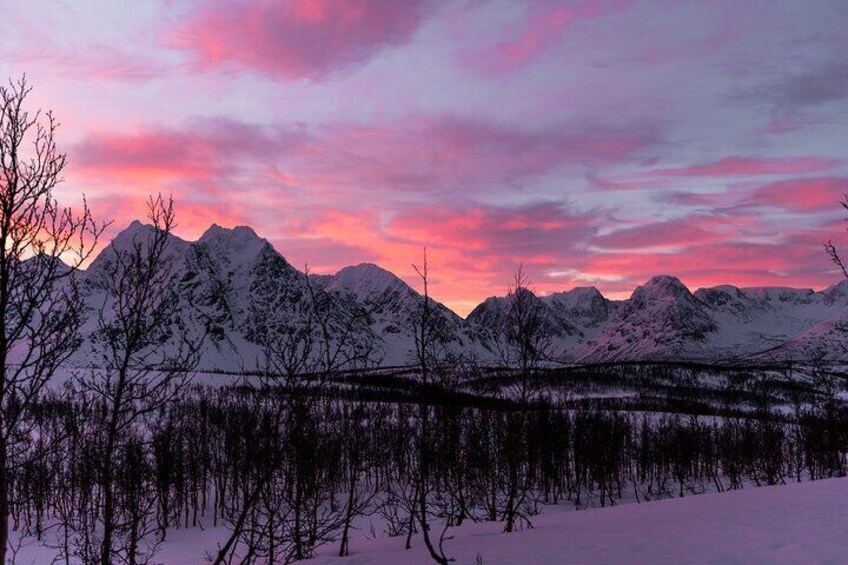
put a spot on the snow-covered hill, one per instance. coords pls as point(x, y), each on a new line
point(236, 289)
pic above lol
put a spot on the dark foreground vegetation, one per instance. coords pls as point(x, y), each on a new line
point(288, 469)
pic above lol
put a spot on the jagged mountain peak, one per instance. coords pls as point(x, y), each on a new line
point(719, 294)
point(665, 282)
point(585, 292)
point(841, 286)
point(134, 229)
point(239, 245)
point(837, 292)
point(490, 302)
point(728, 288)
point(488, 310)
point(727, 299)
point(662, 320)
point(373, 284)
point(496, 305)
point(136, 233)
point(662, 286)
point(577, 296)
point(238, 233)
point(237, 239)
point(365, 275)
point(585, 302)
point(523, 292)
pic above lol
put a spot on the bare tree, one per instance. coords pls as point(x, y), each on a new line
point(523, 341)
point(42, 245)
point(831, 249)
point(146, 364)
point(289, 506)
point(837, 259)
point(524, 344)
point(426, 337)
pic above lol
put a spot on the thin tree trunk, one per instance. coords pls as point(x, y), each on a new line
point(4, 502)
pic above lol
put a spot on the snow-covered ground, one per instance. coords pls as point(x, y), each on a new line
point(793, 524)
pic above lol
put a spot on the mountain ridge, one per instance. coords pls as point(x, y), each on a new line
point(235, 286)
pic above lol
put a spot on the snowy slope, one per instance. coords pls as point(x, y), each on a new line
point(662, 320)
point(561, 319)
point(584, 307)
point(792, 524)
point(233, 288)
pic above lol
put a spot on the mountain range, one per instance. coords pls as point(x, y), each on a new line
point(236, 289)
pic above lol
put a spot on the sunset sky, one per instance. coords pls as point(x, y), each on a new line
point(597, 142)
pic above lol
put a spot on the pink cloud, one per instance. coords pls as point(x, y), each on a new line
point(448, 153)
point(711, 200)
point(819, 194)
point(206, 149)
point(514, 233)
point(600, 183)
point(296, 38)
point(432, 154)
point(217, 170)
point(783, 124)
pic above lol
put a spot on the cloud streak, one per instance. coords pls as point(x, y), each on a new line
point(751, 166)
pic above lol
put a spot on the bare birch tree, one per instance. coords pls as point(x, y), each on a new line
point(145, 365)
point(42, 245)
point(426, 336)
point(523, 341)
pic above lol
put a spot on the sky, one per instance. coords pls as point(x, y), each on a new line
point(598, 143)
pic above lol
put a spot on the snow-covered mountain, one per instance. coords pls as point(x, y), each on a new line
point(584, 307)
point(664, 321)
point(661, 320)
point(234, 288)
point(239, 292)
point(569, 318)
point(393, 306)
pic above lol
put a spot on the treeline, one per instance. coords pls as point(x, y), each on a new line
point(287, 470)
